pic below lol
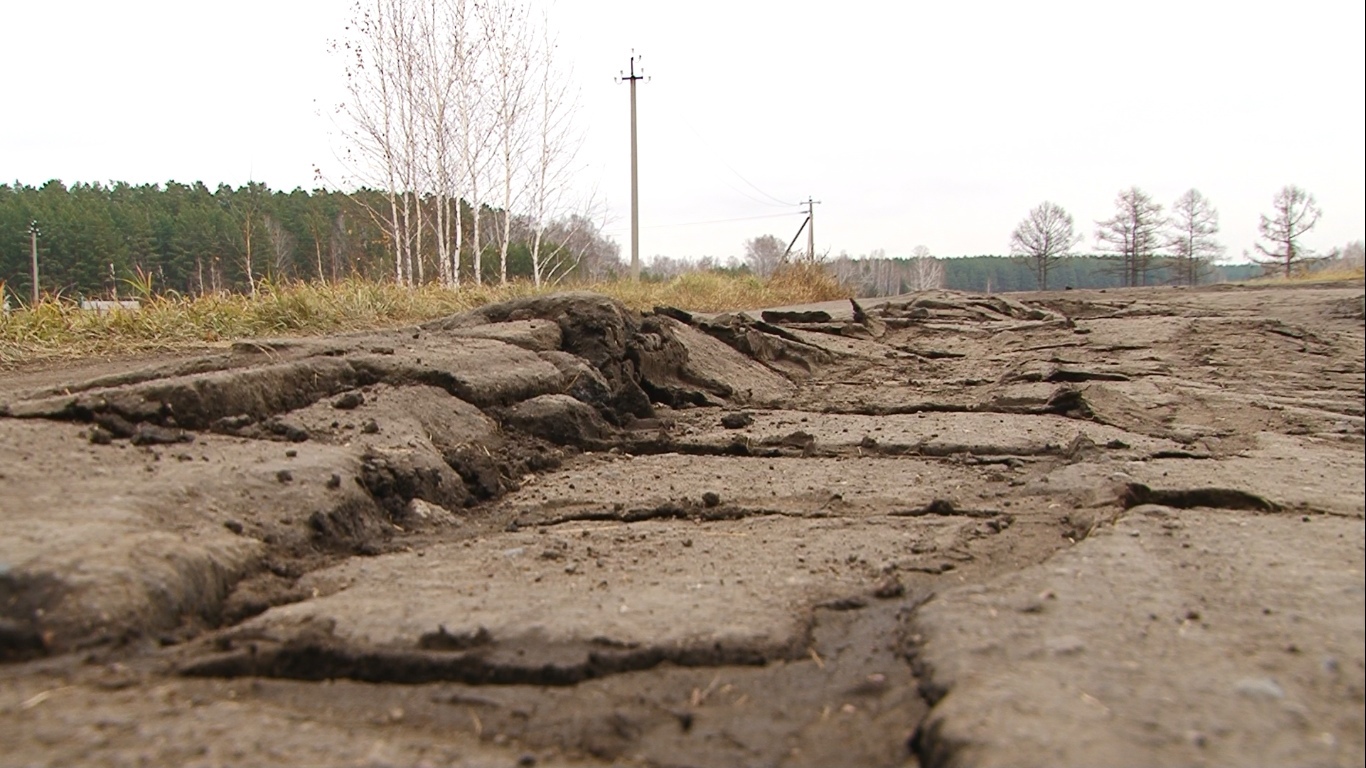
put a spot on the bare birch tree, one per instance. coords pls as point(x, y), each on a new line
point(505, 24)
point(924, 273)
point(336, 244)
point(378, 53)
point(586, 250)
point(281, 247)
point(247, 222)
point(475, 132)
point(556, 151)
point(1043, 238)
point(876, 275)
point(1194, 224)
point(447, 100)
point(414, 137)
point(245, 209)
point(564, 245)
point(316, 222)
point(886, 273)
point(1294, 214)
point(1135, 232)
point(442, 37)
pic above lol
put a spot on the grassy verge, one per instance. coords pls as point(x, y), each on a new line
point(56, 329)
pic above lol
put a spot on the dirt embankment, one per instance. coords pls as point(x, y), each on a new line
point(1069, 528)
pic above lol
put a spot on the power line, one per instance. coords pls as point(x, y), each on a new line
point(711, 221)
point(775, 201)
point(772, 201)
point(746, 195)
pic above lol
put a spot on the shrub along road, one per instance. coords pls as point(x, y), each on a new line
point(1068, 528)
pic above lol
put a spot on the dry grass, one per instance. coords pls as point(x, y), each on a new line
point(800, 283)
point(56, 329)
point(1330, 274)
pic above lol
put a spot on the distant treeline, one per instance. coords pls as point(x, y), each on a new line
point(95, 240)
point(1004, 273)
point(103, 240)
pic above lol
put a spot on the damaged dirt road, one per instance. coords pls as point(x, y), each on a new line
point(1071, 528)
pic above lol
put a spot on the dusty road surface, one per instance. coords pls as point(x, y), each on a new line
point(1073, 528)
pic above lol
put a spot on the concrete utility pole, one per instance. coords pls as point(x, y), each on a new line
point(811, 228)
point(33, 252)
point(635, 189)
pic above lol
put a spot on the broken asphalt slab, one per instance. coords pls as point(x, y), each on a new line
point(1192, 637)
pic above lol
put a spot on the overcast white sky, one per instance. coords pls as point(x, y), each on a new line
point(913, 123)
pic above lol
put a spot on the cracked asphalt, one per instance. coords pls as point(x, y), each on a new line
point(942, 529)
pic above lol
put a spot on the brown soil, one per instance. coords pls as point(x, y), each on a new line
point(1067, 528)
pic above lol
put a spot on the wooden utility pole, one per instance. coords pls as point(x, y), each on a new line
point(811, 228)
point(33, 252)
point(635, 189)
point(805, 221)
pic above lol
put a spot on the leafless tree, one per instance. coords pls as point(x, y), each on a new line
point(764, 253)
point(247, 222)
point(246, 211)
point(336, 244)
point(566, 244)
point(579, 247)
point(1043, 238)
point(448, 100)
point(281, 247)
point(475, 130)
point(380, 118)
point(443, 44)
point(663, 267)
point(1135, 232)
point(877, 275)
point(1194, 224)
point(1350, 256)
point(857, 274)
point(1295, 213)
point(402, 80)
point(555, 152)
point(886, 274)
point(924, 273)
point(317, 224)
point(510, 57)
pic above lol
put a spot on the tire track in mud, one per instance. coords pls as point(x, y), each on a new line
point(706, 537)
